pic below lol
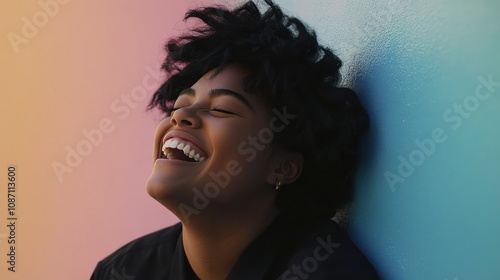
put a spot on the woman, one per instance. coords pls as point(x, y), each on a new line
point(255, 155)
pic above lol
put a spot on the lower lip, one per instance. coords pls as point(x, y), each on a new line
point(176, 161)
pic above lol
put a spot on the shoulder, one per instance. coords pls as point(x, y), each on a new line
point(325, 251)
point(144, 252)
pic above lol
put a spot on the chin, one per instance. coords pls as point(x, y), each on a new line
point(156, 188)
point(159, 187)
point(168, 191)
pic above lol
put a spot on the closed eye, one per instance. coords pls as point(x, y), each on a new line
point(222, 110)
point(170, 111)
point(217, 109)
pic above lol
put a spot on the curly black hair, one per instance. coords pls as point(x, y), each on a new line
point(289, 68)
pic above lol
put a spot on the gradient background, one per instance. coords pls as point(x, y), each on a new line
point(409, 61)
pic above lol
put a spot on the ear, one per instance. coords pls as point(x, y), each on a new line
point(287, 168)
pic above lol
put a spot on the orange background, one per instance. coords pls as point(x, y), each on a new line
point(67, 66)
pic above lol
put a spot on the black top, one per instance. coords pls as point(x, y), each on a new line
point(318, 251)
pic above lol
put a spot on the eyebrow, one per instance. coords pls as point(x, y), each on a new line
point(219, 92)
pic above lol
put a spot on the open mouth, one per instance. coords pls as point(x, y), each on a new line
point(181, 149)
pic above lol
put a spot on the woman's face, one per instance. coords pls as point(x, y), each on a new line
point(213, 151)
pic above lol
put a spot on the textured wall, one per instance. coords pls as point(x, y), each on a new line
point(421, 67)
point(428, 198)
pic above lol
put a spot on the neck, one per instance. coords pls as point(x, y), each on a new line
point(213, 243)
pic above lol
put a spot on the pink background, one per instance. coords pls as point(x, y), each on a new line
point(73, 68)
point(67, 66)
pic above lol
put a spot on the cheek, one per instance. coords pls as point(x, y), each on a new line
point(161, 128)
point(245, 144)
point(232, 136)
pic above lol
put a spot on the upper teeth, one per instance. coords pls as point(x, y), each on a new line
point(184, 147)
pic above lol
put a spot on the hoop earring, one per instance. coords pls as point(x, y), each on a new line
point(277, 185)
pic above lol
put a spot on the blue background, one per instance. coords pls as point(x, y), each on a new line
point(416, 66)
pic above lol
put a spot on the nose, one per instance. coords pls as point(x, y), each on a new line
point(185, 117)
